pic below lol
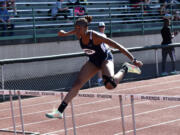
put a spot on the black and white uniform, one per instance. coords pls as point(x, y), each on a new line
point(97, 53)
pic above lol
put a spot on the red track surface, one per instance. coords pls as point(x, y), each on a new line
point(97, 116)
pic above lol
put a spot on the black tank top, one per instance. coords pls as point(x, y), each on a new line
point(96, 53)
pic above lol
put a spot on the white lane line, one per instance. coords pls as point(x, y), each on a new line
point(150, 126)
point(26, 114)
point(117, 118)
point(107, 109)
point(77, 115)
point(142, 86)
point(27, 106)
point(161, 90)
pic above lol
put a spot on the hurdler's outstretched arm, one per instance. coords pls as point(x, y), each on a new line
point(100, 39)
point(63, 33)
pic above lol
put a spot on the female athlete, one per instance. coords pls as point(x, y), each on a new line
point(100, 58)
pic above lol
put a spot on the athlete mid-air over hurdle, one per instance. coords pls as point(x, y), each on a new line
point(100, 58)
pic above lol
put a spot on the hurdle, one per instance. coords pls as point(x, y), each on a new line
point(85, 95)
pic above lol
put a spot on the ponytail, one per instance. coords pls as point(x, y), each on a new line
point(88, 18)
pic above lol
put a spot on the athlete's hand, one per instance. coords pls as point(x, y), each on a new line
point(64, 33)
point(138, 63)
point(61, 33)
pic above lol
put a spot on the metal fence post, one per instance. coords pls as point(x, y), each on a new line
point(34, 26)
point(89, 81)
point(156, 60)
point(142, 15)
point(74, 19)
point(110, 21)
point(2, 80)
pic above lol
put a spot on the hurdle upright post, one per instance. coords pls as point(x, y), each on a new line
point(21, 113)
point(73, 119)
point(133, 114)
point(12, 112)
point(122, 113)
point(64, 116)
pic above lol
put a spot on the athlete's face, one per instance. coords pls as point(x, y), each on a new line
point(167, 22)
point(80, 30)
point(102, 29)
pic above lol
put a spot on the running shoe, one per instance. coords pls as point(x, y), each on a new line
point(164, 74)
point(132, 68)
point(174, 72)
point(54, 114)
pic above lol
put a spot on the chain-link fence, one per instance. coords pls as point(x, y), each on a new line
point(58, 72)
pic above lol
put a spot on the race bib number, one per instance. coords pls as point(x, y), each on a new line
point(89, 51)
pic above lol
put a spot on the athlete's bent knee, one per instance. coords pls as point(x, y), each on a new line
point(109, 82)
